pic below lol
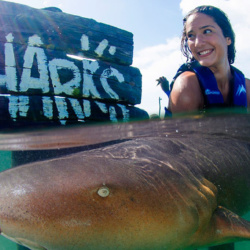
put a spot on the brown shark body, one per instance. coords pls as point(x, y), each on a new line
point(158, 192)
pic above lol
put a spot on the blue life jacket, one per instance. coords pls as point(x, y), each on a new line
point(209, 87)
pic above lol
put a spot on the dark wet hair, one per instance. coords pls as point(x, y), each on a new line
point(223, 22)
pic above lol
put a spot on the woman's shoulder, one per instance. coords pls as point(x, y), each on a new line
point(248, 91)
point(188, 79)
point(186, 94)
point(247, 82)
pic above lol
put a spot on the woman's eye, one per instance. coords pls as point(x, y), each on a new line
point(207, 31)
point(190, 36)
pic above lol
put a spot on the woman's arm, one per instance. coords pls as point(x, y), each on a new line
point(248, 92)
point(186, 94)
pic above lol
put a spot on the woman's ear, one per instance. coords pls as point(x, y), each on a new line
point(229, 41)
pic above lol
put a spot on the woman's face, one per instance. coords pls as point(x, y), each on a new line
point(206, 41)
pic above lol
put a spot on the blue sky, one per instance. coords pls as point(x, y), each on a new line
point(157, 25)
point(150, 21)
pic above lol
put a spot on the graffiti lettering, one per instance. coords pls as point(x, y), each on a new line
point(49, 75)
point(10, 79)
point(69, 87)
point(49, 71)
point(56, 101)
point(65, 108)
point(28, 82)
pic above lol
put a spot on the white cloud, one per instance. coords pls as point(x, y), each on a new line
point(154, 62)
point(54, 3)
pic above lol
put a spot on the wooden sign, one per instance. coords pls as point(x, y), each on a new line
point(60, 68)
point(72, 34)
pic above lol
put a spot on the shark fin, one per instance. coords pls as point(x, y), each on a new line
point(225, 227)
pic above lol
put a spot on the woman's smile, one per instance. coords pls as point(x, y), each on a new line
point(205, 53)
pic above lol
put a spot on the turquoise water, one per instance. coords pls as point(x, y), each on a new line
point(5, 163)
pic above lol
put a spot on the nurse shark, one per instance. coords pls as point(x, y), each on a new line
point(172, 184)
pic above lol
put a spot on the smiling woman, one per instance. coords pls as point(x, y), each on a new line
point(208, 80)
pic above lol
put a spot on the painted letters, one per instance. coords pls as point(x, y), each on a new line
point(61, 109)
point(69, 87)
point(89, 88)
point(10, 79)
point(27, 81)
point(48, 72)
point(56, 99)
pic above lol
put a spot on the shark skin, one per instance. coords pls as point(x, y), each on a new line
point(157, 192)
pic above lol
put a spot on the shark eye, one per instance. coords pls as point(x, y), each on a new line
point(103, 192)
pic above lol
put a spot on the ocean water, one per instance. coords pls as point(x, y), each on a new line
point(7, 162)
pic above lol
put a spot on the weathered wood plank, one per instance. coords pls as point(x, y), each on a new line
point(61, 31)
point(62, 110)
point(38, 71)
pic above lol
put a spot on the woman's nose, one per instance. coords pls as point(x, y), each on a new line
point(199, 40)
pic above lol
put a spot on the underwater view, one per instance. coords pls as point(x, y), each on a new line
point(41, 146)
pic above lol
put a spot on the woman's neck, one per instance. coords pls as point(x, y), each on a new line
point(223, 77)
